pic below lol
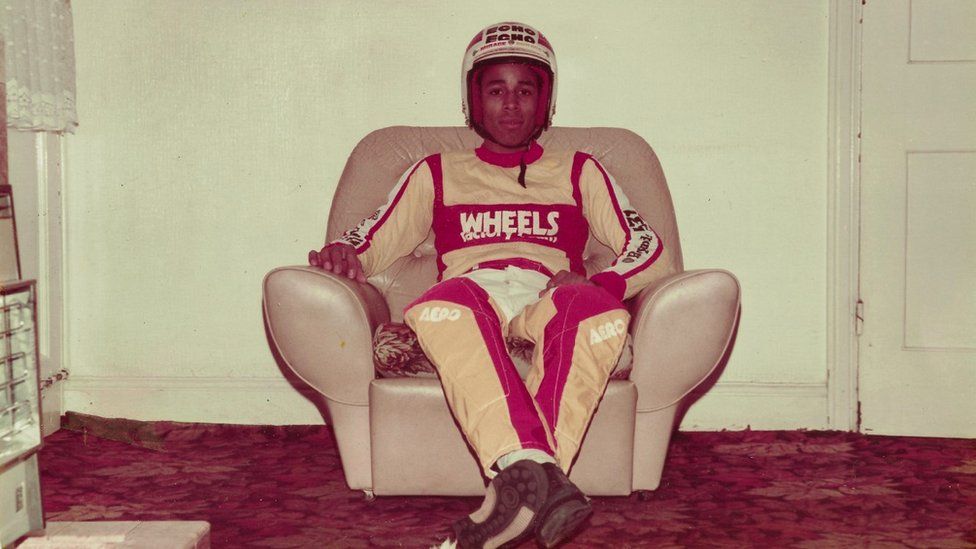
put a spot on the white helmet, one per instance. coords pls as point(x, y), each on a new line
point(509, 42)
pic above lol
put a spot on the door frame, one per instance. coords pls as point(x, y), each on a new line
point(843, 213)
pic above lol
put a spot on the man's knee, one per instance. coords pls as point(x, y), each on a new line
point(444, 303)
point(585, 300)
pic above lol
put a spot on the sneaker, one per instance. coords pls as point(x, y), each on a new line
point(565, 509)
point(510, 511)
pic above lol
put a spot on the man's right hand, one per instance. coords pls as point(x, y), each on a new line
point(340, 259)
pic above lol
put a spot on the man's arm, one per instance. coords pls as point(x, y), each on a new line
point(391, 232)
point(614, 222)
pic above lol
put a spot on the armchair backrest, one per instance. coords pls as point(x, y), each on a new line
point(381, 157)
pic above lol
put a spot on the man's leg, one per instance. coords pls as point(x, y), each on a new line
point(579, 332)
point(459, 329)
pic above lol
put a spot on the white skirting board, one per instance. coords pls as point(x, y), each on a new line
point(273, 401)
point(52, 397)
point(52, 408)
point(737, 406)
point(243, 401)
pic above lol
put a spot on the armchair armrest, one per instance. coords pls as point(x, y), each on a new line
point(322, 325)
point(681, 326)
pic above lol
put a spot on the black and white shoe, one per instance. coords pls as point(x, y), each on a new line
point(565, 509)
point(511, 511)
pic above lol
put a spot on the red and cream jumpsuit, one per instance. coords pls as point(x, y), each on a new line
point(497, 244)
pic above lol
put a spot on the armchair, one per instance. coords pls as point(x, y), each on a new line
point(396, 436)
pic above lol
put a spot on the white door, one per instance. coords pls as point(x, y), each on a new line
point(917, 363)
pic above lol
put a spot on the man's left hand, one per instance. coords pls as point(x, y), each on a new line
point(565, 278)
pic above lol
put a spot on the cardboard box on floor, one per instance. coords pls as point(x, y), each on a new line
point(122, 535)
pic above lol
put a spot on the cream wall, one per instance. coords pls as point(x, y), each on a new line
point(212, 134)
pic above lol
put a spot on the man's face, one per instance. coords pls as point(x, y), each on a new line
point(509, 98)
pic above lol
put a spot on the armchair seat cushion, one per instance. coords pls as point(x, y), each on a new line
point(397, 353)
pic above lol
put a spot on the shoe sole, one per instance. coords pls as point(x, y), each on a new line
point(562, 522)
point(516, 487)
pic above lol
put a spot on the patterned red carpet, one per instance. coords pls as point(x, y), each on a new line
point(283, 487)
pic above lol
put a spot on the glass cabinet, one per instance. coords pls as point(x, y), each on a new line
point(20, 413)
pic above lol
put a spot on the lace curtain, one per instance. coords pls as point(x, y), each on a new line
point(39, 64)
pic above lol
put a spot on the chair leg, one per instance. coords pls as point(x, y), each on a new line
point(645, 495)
point(370, 496)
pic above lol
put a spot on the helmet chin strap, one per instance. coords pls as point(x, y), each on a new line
point(524, 145)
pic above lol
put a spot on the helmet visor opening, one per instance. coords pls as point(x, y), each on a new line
point(543, 78)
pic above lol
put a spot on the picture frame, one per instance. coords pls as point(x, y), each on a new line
point(9, 251)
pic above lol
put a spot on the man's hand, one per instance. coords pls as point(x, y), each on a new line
point(565, 278)
point(340, 259)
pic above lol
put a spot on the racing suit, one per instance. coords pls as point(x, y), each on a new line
point(503, 224)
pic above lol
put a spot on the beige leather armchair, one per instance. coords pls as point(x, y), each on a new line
point(397, 436)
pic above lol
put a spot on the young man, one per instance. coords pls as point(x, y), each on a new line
point(510, 222)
